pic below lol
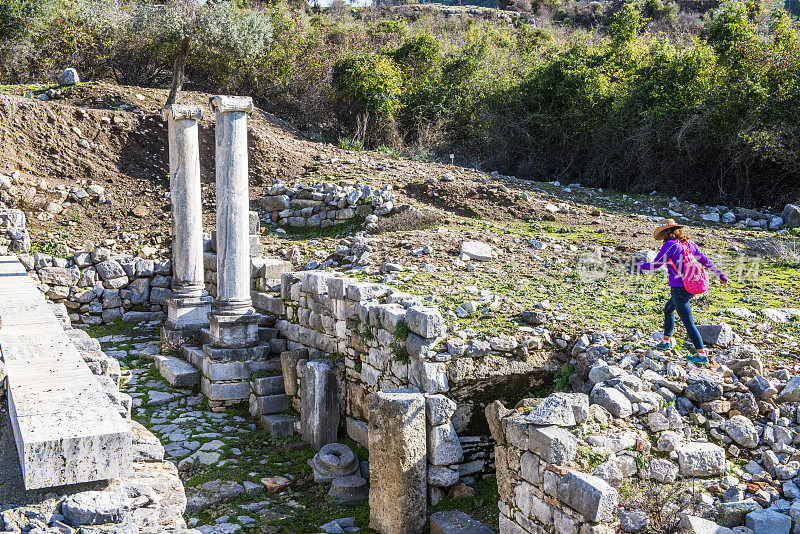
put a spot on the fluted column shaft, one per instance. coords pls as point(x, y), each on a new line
point(233, 240)
point(187, 219)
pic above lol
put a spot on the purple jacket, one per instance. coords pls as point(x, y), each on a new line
point(672, 250)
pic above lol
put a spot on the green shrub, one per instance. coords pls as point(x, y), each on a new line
point(626, 26)
point(730, 27)
point(349, 143)
point(393, 25)
point(659, 11)
point(17, 16)
point(786, 37)
point(369, 84)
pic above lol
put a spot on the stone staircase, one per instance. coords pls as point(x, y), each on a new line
point(268, 403)
point(258, 381)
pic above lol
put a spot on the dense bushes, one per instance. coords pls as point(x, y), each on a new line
point(369, 83)
point(18, 16)
point(714, 118)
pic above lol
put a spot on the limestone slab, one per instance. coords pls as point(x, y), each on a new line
point(397, 452)
point(66, 428)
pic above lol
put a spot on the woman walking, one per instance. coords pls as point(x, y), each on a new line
point(677, 245)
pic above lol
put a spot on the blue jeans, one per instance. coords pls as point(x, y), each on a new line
point(679, 302)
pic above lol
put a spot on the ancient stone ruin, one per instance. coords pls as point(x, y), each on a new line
point(325, 356)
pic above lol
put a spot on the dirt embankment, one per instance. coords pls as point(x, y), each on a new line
point(115, 137)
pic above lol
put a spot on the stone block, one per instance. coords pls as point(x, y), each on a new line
point(56, 276)
point(267, 385)
point(225, 391)
point(424, 321)
point(475, 250)
point(561, 409)
point(529, 468)
point(110, 269)
point(397, 452)
point(768, 522)
point(790, 393)
point(720, 335)
point(319, 413)
point(176, 372)
point(289, 361)
point(225, 371)
point(588, 495)
point(278, 425)
point(612, 400)
point(349, 490)
point(553, 444)
point(234, 331)
point(242, 354)
point(271, 404)
point(95, 508)
point(430, 377)
point(701, 460)
point(444, 448)
point(267, 303)
point(66, 428)
point(439, 409)
point(442, 476)
point(456, 522)
point(358, 431)
point(697, 525)
point(516, 430)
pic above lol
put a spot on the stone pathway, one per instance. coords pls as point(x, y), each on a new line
point(237, 477)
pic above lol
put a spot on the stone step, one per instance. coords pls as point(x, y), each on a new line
point(266, 333)
point(178, 373)
point(279, 425)
point(270, 404)
point(268, 385)
point(204, 337)
point(271, 366)
point(225, 391)
point(193, 355)
point(258, 352)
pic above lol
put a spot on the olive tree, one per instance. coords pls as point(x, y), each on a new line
point(214, 26)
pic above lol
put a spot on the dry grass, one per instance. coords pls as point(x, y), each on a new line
point(410, 219)
point(664, 504)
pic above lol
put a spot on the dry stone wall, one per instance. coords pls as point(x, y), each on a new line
point(539, 491)
point(321, 205)
point(99, 286)
point(376, 338)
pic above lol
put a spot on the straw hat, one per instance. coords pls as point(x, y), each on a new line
point(664, 226)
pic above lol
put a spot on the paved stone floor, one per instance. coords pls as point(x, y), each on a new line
point(237, 478)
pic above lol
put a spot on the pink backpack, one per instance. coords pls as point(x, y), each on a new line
point(695, 277)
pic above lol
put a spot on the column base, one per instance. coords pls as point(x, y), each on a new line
point(234, 331)
point(186, 316)
point(188, 312)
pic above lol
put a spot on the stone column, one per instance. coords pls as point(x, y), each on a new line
point(234, 324)
point(398, 470)
point(189, 304)
point(319, 409)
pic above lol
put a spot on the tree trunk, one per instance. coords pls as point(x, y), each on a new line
point(177, 70)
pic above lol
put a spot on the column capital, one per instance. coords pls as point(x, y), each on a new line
point(182, 111)
point(224, 103)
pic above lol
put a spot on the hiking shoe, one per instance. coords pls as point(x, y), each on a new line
point(664, 345)
point(697, 359)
